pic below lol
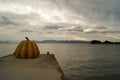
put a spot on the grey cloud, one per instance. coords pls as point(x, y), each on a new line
point(69, 29)
point(92, 32)
point(118, 32)
point(52, 27)
point(100, 27)
point(4, 21)
point(26, 30)
point(50, 32)
point(92, 9)
point(11, 20)
point(76, 29)
point(72, 29)
point(12, 16)
point(104, 14)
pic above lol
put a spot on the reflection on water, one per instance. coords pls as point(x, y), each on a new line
point(81, 61)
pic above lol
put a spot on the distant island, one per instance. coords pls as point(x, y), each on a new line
point(63, 41)
point(104, 42)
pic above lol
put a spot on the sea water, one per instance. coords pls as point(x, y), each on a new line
point(80, 61)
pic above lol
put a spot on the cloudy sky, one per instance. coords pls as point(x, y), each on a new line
point(60, 19)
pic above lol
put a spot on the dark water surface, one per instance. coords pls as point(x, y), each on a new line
point(81, 61)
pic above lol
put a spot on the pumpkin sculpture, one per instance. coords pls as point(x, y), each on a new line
point(27, 49)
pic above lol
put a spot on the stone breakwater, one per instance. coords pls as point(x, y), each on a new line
point(45, 67)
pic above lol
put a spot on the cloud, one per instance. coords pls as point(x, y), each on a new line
point(92, 32)
point(100, 28)
point(14, 21)
point(52, 27)
point(99, 12)
point(4, 21)
point(26, 30)
point(60, 19)
point(111, 32)
point(76, 29)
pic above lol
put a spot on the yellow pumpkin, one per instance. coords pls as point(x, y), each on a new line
point(27, 49)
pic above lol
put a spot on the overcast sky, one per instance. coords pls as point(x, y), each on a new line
point(60, 19)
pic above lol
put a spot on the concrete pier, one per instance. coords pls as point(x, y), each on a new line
point(45, 67)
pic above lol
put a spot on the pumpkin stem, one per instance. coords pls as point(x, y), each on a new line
point(27, 38)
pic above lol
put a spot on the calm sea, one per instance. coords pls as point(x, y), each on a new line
point(81, 61)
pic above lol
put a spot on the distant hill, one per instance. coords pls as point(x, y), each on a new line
point(6, 42)
point(53, 41)
point(63, 41)
point(104, 42)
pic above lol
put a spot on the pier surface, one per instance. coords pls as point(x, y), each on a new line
point(45, 67)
